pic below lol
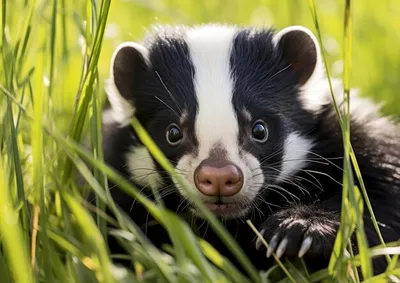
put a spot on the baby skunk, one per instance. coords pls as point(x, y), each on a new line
point(246, 116)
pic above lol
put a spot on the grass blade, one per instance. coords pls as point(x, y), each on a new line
point(10, 230)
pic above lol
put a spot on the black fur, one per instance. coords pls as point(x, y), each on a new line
point(267, 88)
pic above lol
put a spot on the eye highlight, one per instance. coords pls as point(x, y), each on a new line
point(173, 135)
point(259, 131)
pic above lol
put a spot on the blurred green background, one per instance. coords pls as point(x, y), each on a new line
point(376, 50)
point(376, 26)
point(46, 48)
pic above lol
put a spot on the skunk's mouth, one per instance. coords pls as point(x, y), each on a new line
point(226, 209)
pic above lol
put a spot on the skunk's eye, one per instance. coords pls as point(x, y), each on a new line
point(173, 135)
point(259, 131)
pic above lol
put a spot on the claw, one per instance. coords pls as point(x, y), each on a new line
point(282, 247)
point(305, 246)
point(259, 243)
point(272, 245)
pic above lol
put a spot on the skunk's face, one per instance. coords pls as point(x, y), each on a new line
point(227, 106)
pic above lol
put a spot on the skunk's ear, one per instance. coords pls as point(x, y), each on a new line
point(300, 49)
point(128, 66)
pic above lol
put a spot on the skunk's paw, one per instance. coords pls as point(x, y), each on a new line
point(300, 231)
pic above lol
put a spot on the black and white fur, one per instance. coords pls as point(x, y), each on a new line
point(214, 82)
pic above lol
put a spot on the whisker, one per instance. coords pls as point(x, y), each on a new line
point(290, 181)
point(265, 159)
point(159, 99)
point(327, 159)
point(170, 94)
point(277, 187)
point(323, 174)
point(277, 73)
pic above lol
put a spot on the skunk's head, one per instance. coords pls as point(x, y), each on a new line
point(231, 108)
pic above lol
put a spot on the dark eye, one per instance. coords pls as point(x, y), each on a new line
point(174, 135)
point(259, 131)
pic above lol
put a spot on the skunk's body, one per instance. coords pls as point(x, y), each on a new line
point(245, 116)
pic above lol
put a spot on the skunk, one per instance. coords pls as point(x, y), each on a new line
point(245, 115)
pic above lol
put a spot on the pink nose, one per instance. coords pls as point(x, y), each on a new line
point(218, 178)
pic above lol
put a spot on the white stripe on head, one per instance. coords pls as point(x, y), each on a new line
point(216, 121)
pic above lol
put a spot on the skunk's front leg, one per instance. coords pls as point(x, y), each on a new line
point(301, 231)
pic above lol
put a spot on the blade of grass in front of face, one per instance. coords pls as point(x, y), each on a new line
point(214, 223)
point(13, 244)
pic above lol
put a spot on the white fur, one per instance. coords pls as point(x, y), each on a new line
point(295, 151)
point(142, 168)
point(216, 120)
point(122, 110)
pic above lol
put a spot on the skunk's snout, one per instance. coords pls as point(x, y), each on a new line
point(218, 178)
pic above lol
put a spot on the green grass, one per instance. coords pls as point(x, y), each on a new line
point(54, 58)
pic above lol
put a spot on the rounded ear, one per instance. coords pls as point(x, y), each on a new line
point(128, 65)
point(301, 50)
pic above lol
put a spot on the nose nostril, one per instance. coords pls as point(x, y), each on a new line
point(229, 183)
point(208, 182)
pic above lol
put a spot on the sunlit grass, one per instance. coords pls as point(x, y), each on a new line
point(54, 57)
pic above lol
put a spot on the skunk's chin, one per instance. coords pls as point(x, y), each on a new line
point(224, 210)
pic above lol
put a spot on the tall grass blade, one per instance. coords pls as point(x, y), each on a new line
point(13, 243)
point(85, 93)
point(100, 260)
